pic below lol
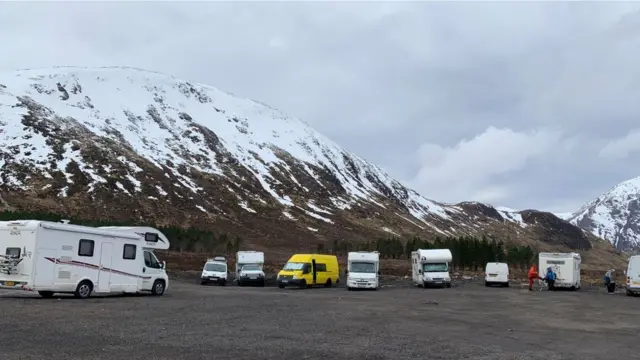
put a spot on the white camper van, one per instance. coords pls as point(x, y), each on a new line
point(496, 273)
point(50, 258)
point(363, 269)
point(249, 268)
point(215, 271)
point(565, 265)
point(633, 276)
point(431, 267)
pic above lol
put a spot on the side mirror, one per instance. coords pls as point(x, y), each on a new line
point(378, 272)
point(163, 265)
point(346, 271)
point(419, 271)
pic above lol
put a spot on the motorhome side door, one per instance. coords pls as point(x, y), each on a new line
point(104, 273)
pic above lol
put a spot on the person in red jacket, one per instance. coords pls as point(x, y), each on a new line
point(533, 275)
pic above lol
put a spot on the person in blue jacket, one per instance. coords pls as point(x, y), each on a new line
point(550, 278)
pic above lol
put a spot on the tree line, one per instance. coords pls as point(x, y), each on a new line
point(188, 239)
point(468, 252)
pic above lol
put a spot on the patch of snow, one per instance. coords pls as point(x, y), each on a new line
point(201, 208)
point(390, 231)
point(312, 229)
point(289, 216)
point(245, 206)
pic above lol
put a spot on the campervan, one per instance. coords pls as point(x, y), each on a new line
point(431, 267)
point(566, 266)
point(496, 273)
point(215, 271)
point(633, 276)
point(249, 268)
point(309, 270)
point(50, 258)
point(363, 269)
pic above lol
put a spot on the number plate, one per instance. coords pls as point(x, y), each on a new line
point(635, 282)
point(285, 281)
point(492, 275)
point(9, 283)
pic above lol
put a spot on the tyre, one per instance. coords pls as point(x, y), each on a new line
point(262, 284)
point(506, 284)
point(224, 283)
point(630, 293)
point(83, 290)
point(328, 283)
point(281, 286)
point(46, 294)
point(448, 285)
point(303, 284)
point(158, 288)
point(573, 288)
point(203, 283)
point(349, 288)
point(486, 284)
point(240, 283)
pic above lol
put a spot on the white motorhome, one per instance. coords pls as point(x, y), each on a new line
point(50, 258)
point(249, 268)
point(496, 273)
point(215, 271)
point(633, 276)
point(363, 268)
point(431, 267)
point(565, 265)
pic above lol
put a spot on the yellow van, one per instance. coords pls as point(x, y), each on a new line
point(308, 270)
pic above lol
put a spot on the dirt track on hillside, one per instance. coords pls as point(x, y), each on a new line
point(395, 322)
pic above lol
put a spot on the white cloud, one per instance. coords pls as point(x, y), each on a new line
point(622, 148)
point(466, 171)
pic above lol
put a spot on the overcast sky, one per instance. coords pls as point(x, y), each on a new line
point(525, 105)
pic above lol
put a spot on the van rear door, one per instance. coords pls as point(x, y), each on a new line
point(633, 272)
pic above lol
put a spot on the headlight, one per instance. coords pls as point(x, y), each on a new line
point(295, 276)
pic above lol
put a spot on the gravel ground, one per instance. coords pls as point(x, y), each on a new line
point(467, 321)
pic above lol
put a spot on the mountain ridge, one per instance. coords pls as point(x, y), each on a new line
point(121, 141)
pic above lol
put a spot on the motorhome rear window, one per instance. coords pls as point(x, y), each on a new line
point(85, 247)
point(13, 251)
point(129, 252)
point(555, 262)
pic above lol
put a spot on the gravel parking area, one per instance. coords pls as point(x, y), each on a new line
point(396, 322)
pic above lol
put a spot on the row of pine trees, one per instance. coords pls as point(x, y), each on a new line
point(469, 253)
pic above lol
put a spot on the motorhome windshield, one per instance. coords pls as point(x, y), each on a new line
point(215, 267)
point(251, 267)
point(293, 266)
point(362, 267)
point(435, 267)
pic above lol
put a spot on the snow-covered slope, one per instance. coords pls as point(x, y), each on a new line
point(122, 142)
point(614, 215)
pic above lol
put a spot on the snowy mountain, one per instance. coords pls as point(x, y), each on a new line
point(614, 216)
point(121, 142)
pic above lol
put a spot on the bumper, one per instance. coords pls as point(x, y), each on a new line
point(209, 280)
point(361, 285)
point(290, 282)
point(14, 285)
point(436, 283)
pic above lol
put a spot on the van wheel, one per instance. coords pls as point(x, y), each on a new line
point(262, 284)
point(281, 286)
point(158, 288)
point(573, 288)
point(448, 285)
point(240, 283)
point(46, 294)
point(486, 284)
point(303, 284)
point(506, 284)
point(83, 290)
point(629, 293)
point(328, 283)
point(349, 288)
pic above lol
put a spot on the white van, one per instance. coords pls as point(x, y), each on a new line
point(51, 258)
point(496, 273)
point(565, 265)
point(633, 276)
point(215, 271)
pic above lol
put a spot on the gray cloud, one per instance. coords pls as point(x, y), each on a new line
point(527, 105)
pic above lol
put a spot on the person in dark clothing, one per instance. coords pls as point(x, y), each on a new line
point(610, 281)
point(550, 278)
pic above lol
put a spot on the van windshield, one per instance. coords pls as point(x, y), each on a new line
point(215, 267)
point(435, 267)
point(293, 266)
point(251, 267)
point(362, 267)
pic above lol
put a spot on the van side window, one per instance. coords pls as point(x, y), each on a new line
point(321, 267)
point(129, 252)
point(13, 252)
point(85, 248)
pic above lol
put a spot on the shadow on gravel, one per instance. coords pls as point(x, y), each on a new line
point(68, 297)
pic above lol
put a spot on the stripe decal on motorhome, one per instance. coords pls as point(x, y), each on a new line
point(95, 267)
